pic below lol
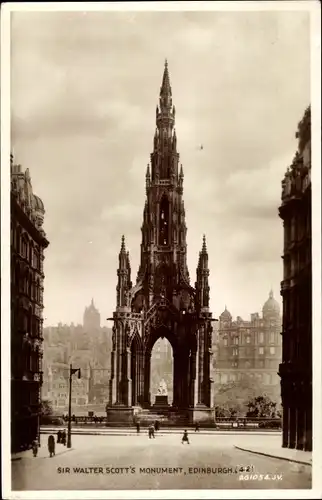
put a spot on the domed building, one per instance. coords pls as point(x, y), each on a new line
point(250, 349)
point(28, 242)
point(271, 308)
point(225, 318)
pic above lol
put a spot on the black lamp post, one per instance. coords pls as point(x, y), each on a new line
point(69, 433)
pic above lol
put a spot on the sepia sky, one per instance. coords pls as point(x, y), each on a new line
point(84, 91)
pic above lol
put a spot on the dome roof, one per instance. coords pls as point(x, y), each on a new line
point(226, 314)
point(38, 204)
point(271, 305)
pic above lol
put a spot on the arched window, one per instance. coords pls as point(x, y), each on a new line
point(164, 221)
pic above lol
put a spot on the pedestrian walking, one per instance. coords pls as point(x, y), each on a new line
point(138, 427)
point(157, 425)
point(51, 445)
point(151, 431)
point(185, 437)
point(197, 428)
point(63, 438)
point(35, 447)
point(59, 436)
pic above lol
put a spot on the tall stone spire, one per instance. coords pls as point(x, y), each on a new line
point(165, 90)
point(164, 227)
point(165, 115)
point(162, 303)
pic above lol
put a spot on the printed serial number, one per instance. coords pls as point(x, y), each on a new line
point(260, 477)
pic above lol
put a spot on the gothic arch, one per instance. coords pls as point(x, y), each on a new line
point(159, 333)
point(136, 361)
point(135, 338)
point(164, 220)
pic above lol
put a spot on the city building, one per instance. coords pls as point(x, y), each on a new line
point(251, 349)
point(296, 290)
point(86, 346)
point(28, 242)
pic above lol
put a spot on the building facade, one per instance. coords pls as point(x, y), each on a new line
point(296, 290)
point(162, 302)
point(86, 346)
point(251, 349)
point(28, 242)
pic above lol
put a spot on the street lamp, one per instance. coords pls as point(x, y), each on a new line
point(69, 433)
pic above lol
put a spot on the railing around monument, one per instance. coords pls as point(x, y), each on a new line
point(224, 423)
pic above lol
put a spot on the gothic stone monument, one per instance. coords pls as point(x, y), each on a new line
point(162, 303)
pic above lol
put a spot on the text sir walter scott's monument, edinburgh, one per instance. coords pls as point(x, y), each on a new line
point(162, 303)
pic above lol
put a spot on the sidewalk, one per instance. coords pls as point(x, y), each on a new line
point(42, 452)
point(273, 450)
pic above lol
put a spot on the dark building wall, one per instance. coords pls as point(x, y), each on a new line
point(296, 290)
point(28, 242)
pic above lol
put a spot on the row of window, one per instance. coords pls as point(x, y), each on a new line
point(260, 350)
point(26, 283)
point(260, 336)
point(265, 378)
point(260, 363)
point(25, 247)
point(29, 323)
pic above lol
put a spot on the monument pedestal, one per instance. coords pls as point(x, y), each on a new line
point(119, 415)
point(161, 401)
point(203, 415)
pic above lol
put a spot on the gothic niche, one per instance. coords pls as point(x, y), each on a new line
point(138, 303)
point(186, 301)
point(164, 221)
point(163, 281)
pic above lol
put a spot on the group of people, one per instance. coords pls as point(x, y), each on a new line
point(156, 426)
point(61, 439)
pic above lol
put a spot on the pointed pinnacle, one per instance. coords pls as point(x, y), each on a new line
point(166, 87)
point(181, 171)
point(204, 246)
point(123, 244)
point(147, 171)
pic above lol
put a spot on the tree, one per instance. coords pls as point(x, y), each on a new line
point(46, 408)
point(231, 398)
point(261, 406)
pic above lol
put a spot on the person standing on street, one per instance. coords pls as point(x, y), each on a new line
point(63, 437)
point(51, 445)
point(185, 437)
point(35, 447)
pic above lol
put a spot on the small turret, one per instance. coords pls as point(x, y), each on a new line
point(202, 285)
point(124, 278)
